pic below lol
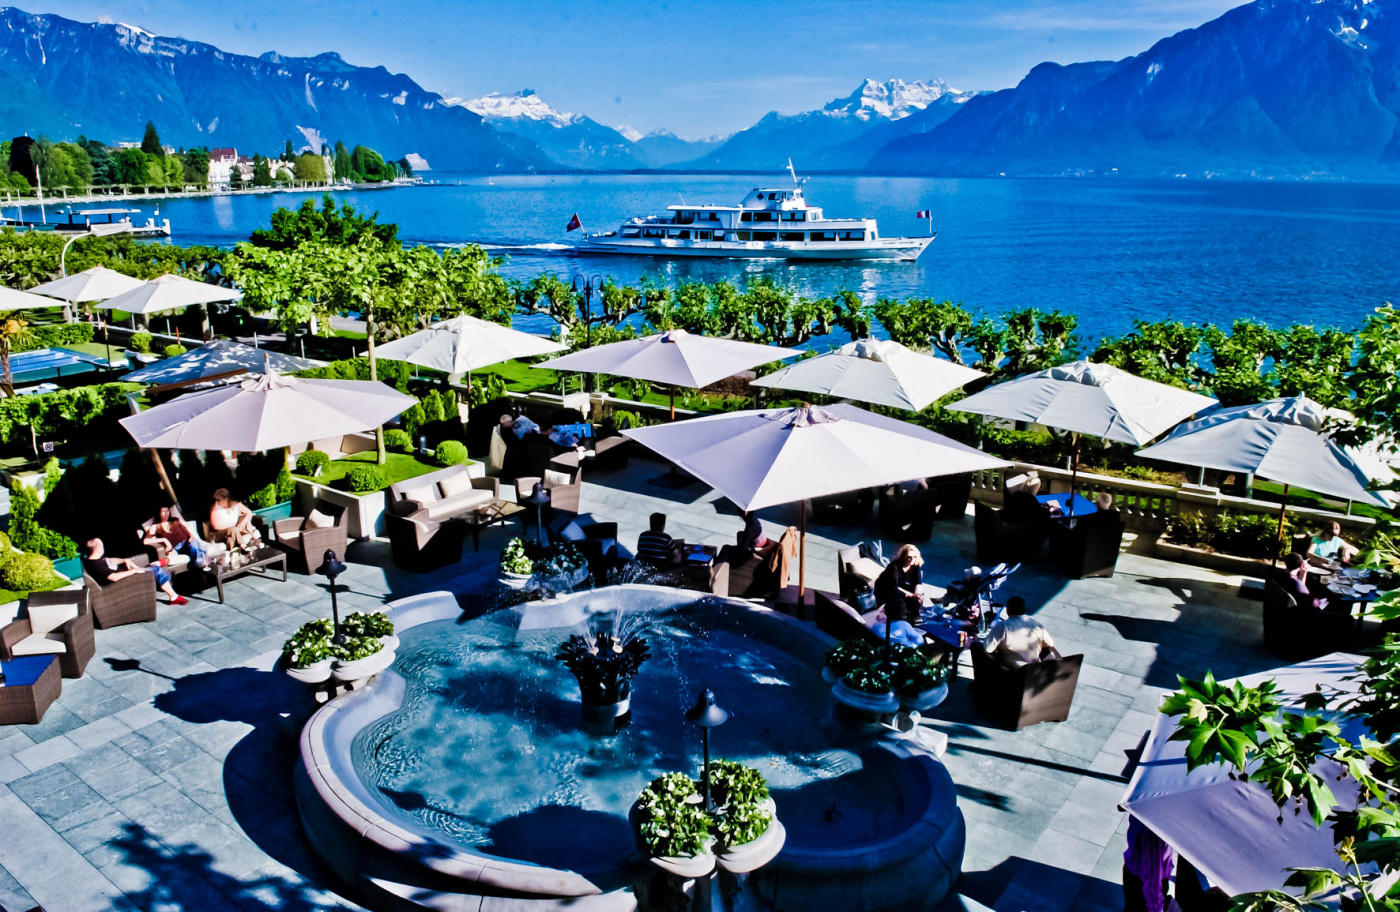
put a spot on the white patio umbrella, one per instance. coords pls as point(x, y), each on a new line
point(216, 360)
point(759, 458)
point(96, 284)
point(875, 370)
point(466, 343)
point(1286, 440)
point(266, 413)
point(675, 358)
point(1227, 828)
point(168, 292)
point(10, 299)
point(1087, 398)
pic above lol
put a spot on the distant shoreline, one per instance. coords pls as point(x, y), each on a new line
point(14, 200)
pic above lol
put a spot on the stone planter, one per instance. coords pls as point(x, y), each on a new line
point(364, 512)
point(687, 868)
point(1213, 560)
point(879, 704)
point(924, 700)
point(603, 715)
point(359, 669)
point(750, 856)
point(275, 512)
point(514, 580)
point(828, 675)
point(317, 673)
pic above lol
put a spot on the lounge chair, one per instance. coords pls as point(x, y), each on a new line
point(855, 575)
point(1019, 697)
point(1296, 633)
point(129, 600)
point(59, 624)
point(306, 539)
point(739, 573)
point(999, 541)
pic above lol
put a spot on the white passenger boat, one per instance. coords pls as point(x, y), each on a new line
point(769, 223)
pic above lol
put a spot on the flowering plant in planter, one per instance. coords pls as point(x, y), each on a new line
point(870, 679)
point(741, 796)
point(367, 623)
point(314, 641)
point(916, 671)
point(515, 558)
point(851, 655)
point(310, 644)
point(564, 559)
point(672, 818)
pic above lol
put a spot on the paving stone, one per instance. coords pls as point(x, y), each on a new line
point(99, 732)
point(47, 753)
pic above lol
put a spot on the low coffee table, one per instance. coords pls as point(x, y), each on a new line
point(31, 685)
point(498, 511)
point(260, 561)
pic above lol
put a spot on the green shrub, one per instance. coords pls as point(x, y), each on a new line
point(364, 479)
point(625, 420)
point(27, 572)
point(174, 350)
point(394, 373)
point(312, 462)
point(51, 335)
point(398, 441)
point(63, 412)
point(286, 485)
point(450, 453)
point(25, 531)
point(432, 408)
point(413, 419)
point(450, 409)
point(141, 343)
point(5, 546)
point(1241, 534)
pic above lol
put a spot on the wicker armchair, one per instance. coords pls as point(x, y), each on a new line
point(1295, 632)
point(419, 543)
point(306, 543)
point(72, 642)
point(129, 600)
point(1028, 694)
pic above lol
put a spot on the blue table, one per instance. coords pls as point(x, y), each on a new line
point(1082, 506)
point(31, 685)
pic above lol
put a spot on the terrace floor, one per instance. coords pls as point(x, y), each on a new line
point(162, 779)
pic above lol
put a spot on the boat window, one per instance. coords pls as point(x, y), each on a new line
point(765, 235)
point(746, 217)
point(763, 216)
point(741, 235)
point(792, 235)
point(631, 232)
point(714, 216)
point(795, 216)
point(823, 235)
point(653, 233)
point(853, 235)
point(702, 235)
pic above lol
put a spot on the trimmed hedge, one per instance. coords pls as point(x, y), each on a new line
point(450, 453)
point(398, 441)
point(64, 411)
point(174, 350)
point(366, 479)
point(141, 342)
point(394, 373)
point(311, 462)
point(27, 572)
point(51, 334)
point(25, 531)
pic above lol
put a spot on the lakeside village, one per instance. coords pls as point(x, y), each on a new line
point(325, 587)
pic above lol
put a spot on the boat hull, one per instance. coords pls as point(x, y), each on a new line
point(902, 249)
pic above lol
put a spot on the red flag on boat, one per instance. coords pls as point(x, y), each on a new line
point(574, 223)
point(924, 213)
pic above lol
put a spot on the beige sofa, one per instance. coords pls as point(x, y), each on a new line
point(444, 494)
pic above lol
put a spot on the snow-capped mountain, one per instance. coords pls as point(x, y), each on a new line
point(62, 78)
point(843, 134)
point(1274, 88)
point(660, 148)
point(572, 140)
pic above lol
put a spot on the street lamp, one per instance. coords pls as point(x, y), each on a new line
point(588, 287)
point(100, 230)
point(537, 498)
point(331, 568)
point(705, 715)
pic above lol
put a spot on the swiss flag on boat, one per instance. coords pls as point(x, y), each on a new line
point(574, 223)
point(924, 213)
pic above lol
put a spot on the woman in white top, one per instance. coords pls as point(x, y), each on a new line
point(233, 521)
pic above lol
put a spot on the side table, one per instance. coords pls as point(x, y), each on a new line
point(31, 685)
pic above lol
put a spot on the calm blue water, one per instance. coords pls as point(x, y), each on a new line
point(1108, 251)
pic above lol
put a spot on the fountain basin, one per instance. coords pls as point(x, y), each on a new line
point(464, 777)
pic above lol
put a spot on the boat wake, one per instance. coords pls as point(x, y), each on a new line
point(545, 249)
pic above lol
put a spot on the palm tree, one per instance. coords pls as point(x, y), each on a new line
point(11, 329)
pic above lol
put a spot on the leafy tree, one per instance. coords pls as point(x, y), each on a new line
point(369, 166)
point(405, 169)
point(196, 167)
point(287, 154)
point(131, 166)
point(330, 224)
point(1167, 352)
point(150, 142)
point(308, 167)
point(104, 169)
point(344, 166)
point(922, 323)
point(172, 169)
point(1025, 341)
point(262, 172)
point(1238, 359)
point(21, 159)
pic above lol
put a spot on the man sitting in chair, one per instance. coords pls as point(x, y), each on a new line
point(106, 570)
point(655, 546)
point(1016, 639)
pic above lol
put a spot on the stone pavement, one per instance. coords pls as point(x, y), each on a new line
point(162, 779)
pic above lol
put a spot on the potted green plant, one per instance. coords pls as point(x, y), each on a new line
point(920, 678)
point(564, 565)
point(517, 566)
point(604, 665)
point(867, 689)
point(746, 826)
point(847, 657)
point(368, 648)
point(307, 654)
point(673, 827)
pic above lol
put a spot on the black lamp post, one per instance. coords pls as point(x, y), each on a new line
point(331, 568)
point(705, 715)
point(587, 287)
point(537, 498)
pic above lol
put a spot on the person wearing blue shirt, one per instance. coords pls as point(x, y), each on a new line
point(1329, 545)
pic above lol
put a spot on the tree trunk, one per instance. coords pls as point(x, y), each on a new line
point(7, 378)
point(380, 455)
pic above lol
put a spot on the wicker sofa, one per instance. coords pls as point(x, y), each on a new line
point(130, 600)
point(59, 624)
point(444, 494)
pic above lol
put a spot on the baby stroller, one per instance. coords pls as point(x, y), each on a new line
point(970, 604)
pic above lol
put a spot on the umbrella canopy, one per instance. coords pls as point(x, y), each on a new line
point(23, 300)
point(773, 456)
point(1227, 828)
point(218, 359)
point(96, 284)
point(168, 292)
point(1285, 440)
point(1087, 398)
point(465, 344)
point(265, 413)
point(674, 357)
point(878, 371)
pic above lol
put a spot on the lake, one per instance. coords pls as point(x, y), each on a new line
point(1109, 251)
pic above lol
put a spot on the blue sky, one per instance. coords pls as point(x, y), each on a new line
point(697, 67)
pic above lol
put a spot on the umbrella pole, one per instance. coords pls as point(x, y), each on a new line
point(1073, 475)
point(1278, 534)
point(164, 478)
point(801, 552)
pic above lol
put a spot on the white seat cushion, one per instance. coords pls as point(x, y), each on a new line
point(459, 504)
point(37, 644)
point(553, 479)
point(319, 520)
point(424, 494)
point(46, 618)
point(865, 568)
point(453, 485)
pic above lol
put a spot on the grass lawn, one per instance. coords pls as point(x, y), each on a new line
point(1297, 497)
point(9, 595)
point(401, 467)
point(521, 377)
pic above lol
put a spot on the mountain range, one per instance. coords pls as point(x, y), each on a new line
point(1284, 88)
